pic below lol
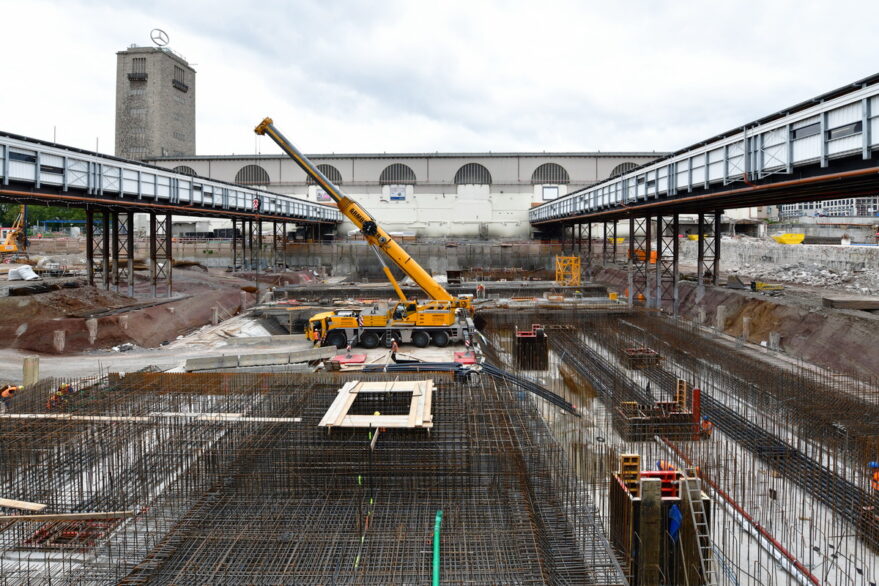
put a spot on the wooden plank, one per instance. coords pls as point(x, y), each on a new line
point(68, 516)
point(23, 505)
point(68, 417)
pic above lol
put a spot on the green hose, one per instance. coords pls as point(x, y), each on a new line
point(436, 544)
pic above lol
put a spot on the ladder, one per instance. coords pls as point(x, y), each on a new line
point(700, 526)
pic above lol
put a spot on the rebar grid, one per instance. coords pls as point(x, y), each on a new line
point(790, 448)
point(232, 481)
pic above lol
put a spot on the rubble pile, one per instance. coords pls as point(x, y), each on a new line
point(864, 281)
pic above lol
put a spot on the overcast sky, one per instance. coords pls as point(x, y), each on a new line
point(416, 75)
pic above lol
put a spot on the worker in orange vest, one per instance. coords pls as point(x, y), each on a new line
point(874, 483)
point(665, 466)
point(707, 427)
point(7, 392)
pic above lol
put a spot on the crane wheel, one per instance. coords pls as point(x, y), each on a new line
point(369, 340)
point(337, 339)
point(421, 339)
point(441, 339)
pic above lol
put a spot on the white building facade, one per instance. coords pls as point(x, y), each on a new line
point(429, 195)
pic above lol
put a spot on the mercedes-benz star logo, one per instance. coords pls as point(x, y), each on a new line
point(159, 37)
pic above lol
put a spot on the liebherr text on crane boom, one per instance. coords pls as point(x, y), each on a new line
point(442, 320)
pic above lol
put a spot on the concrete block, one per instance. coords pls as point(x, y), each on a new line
point(30, 370)
point(211, 363)
point(720, 318)
point(703, 315)
point(263, 359)
point(59, 340)
point(91, 325)
point(774, 341)
point(123, 322)
point(314, 354)
point(849, 302)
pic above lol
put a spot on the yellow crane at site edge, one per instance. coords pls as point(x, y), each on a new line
point(428, 318)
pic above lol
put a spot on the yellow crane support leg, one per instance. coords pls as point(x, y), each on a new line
point(567, 270)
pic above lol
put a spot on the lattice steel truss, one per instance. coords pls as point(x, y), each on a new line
point(123, 251)
point(160, 253)
point(667, 229)
point(639, 260)
point(708, 255)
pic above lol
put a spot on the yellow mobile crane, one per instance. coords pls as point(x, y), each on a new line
point(16, 240)
point(442, 320)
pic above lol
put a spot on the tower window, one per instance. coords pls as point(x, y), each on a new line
point(138, 69)
point(179, 80)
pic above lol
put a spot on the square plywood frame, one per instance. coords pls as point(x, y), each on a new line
point(419, 416)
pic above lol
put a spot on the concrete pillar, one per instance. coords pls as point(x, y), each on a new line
point(650, 531)
point(746, 328)
point(215, 315)
point(720, 318)
point(243, 300)
point(703, 316)
point(59, 340)
point(123, 322)
point(92, 327)
point(774, 341)
point(30, 370)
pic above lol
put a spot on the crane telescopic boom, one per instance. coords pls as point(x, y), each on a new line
point(375, 235)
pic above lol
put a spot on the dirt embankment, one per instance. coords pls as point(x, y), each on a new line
point(59, 321)
point(841, 340)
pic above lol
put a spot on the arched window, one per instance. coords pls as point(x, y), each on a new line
point(331, 173)
point(185, 170)
point(397, 174)
point(472, 174)
point(622, 169)
point(252, 175)
point(550, 173)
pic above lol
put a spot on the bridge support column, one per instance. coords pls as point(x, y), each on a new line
point(614, 241)
point(123, 251)
point(129, 259)
point(234, 243)
point(275, 226)
point(160, 252)
point(114, 240)
point(579, 237)
point(604, 245)
point(667, 263)
point(639, 260)
point(259, 243)
point(708, 253)
point(250, 264)
point(284, 245)
point(105, 248)
point(589, 258)
point(90, 245)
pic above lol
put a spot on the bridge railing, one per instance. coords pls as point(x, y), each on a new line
point(45, 166)
point(841, 124)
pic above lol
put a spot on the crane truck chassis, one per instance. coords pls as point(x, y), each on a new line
point(440, 320)
point(407, 323)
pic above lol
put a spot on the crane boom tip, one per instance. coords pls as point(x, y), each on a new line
point(262, 126)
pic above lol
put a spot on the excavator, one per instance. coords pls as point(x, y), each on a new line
point(15, 243)
point(442, 320)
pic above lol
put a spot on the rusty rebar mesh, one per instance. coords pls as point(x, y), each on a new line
point(231, 481)
point(791, 446)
